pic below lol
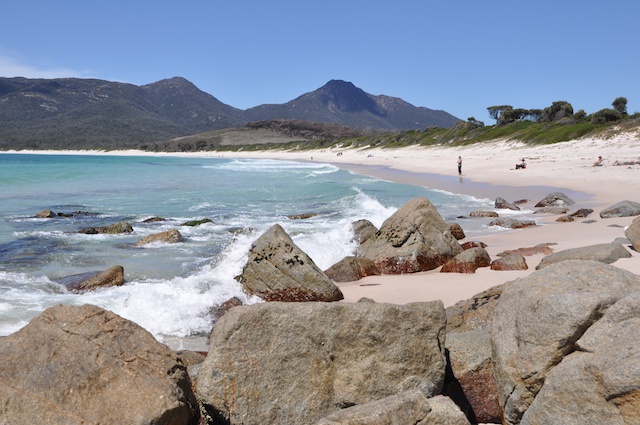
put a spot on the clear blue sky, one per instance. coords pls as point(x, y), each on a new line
point(460, 56)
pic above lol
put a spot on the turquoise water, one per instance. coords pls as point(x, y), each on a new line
point(170, 287)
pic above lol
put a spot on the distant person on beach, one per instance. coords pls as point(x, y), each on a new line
point(599, 162)
point(522, 164)
point(459, 165)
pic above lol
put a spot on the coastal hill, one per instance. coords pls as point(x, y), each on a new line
point(72, 113)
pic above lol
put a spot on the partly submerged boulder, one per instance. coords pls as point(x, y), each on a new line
point(415, 238)
point(277, 270)
point(169, 236)
point(90, 281)
point(113, 229)
point(85, 365)
point(295, 363)
point(503, 204)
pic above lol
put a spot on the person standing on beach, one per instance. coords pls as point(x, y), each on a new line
point(459, 165)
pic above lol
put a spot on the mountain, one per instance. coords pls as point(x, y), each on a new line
point(341, 102)
point(72, 113)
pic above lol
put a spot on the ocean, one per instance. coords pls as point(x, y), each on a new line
point(170, 288)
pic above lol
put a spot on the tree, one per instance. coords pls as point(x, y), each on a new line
point(556, 111)
point(605, 116)
point(496, 111)
point(620, 105)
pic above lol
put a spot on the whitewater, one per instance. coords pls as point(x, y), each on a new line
point(171, 288)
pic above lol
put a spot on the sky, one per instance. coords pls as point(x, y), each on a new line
point(460, 56)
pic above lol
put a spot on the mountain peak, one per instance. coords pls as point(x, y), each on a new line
point(343, 96)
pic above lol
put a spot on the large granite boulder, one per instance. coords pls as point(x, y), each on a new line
point(113, 229)
point(555, 199)
point(169, 236)
point(621, 209)
point(409, 407)
point(277, 270)
point(605, 253)
point(296, 363)
point(599, 383)
point(91, 281)
point(350, 269)
point(633, 233)
point(85, 365)
point(467, 261)
point(470, 380)
point(538, 321)
point(414, 239)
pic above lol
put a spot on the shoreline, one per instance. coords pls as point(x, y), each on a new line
point(488, 172)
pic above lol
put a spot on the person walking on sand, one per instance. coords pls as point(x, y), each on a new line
point(459, 165)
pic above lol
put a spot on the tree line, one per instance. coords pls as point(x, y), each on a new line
point(558, 111)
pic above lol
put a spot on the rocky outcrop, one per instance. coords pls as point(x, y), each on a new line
point(410, 407)
point(91, 281)
point(363, 230)
point(555, 199)
point(509, 262)
point(502, 204)
point(539, 324)
point(113, 229)
point(296, 363)
point(621, 209)
point(350, 269)
point(85, 365)
point(415, 238)
point(512, 223)
point(170, 236)
point(51, 214)
point(633, 233)
point(605, 253)
point(467, 261)
point(277, 270)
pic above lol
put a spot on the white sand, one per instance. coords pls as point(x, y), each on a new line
point(488, 171)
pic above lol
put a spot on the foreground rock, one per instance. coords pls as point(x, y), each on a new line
point(350, 269)
point(410, 407)
point(363, 230)
point(296, 363)
point(113, 229)
point(414, 239)
point(471, 382)
point(599, 383)
point(277, 270)
point(621, 209)
point(605, 253)
point(633, 233)
point(170, 236)
point(94, 280)
point(555, 199)
point(85, 365)
point(537, 326)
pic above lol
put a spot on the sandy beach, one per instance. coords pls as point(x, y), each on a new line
point(488, 171)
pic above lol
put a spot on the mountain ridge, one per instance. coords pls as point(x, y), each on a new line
point(90, 113)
